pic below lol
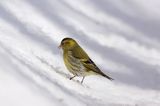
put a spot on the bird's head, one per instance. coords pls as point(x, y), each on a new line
point(68, 44)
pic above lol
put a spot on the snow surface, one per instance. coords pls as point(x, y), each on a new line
point(121, 36)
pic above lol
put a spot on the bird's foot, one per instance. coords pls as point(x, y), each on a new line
point(82, 80)
point(72, 77)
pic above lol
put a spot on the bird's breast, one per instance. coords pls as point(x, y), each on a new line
point(73, 64)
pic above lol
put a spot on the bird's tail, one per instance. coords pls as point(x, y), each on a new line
point(104, 75)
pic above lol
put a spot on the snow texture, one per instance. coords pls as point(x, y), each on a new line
point(121, 36)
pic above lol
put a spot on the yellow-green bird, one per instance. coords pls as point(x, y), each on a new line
point(77, 61)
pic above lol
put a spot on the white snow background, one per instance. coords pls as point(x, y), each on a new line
point(121, 36)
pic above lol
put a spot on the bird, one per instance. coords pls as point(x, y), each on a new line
point(77, 60)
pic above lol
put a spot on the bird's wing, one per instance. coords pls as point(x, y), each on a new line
point(92, 66)
point(81, 55)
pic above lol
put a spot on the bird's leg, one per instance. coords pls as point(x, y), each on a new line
point(82, 79)
point(72, 77)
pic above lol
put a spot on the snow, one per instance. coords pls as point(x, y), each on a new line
point(122, 37)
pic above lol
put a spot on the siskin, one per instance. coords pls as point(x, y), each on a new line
point(77, 61)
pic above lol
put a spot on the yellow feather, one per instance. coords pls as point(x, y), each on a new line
point(77, 60)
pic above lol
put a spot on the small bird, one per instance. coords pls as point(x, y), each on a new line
point(77, 61)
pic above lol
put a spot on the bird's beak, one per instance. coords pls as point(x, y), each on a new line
point(60, 46)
